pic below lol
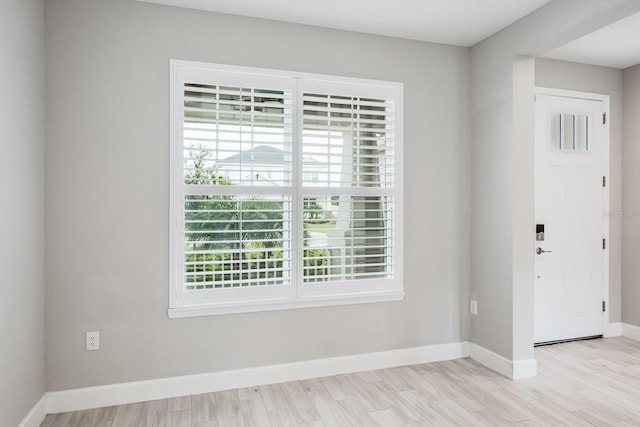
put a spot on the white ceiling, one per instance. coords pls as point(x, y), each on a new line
point(455, 22)
point(617, 45)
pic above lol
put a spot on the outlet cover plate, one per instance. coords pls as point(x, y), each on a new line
point(93, 341)
point(473, 306)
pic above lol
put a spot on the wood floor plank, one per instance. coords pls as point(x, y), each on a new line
point(370, 397)
point(611, 377)
point(179, 418)
point(299, 403)
point(395, 378)
point(368, 376)
point(626, 406)
point(393, 401)
point(356, 413)
point(154, 419)
point(433, 386)
point(229, 411)
point(595, 418)
point(129, 415)
point(248, 393)
point(273, 397)
point(179, 403)
point(212, 423)
point(602, 409)
point(338, 387)
point(254, 412)
point(106, 416)
point(551, 409)
point(424, 407)
point(456, 413)
point(490, 418)
point(386, 418)
point(529, 424)
point(57, 420)
point(49, 420)
point(283, 418)
point(330, 412)
point(204, 408)
point(154, 413)
point(626, 424)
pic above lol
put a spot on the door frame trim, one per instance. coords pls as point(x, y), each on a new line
point(606, 169)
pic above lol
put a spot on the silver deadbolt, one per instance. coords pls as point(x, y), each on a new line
point(541, 251)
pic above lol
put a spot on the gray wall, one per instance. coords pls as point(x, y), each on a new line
point(502, 173)
point(631, 197)
point(22, 213)
point(107, 173)
point(607, 81)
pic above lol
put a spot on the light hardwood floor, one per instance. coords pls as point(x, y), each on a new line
point(578, 384)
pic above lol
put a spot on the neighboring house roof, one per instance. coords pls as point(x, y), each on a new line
point(262, 154)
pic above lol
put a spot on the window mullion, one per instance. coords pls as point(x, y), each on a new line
point(297, 228)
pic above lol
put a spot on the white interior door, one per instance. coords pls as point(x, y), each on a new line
point(569, 253)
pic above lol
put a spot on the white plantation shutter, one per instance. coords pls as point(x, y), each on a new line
point(236, 136)
point(241, 134)
point(360, 246)
point(350, 137)
point(236, 241)
point(285, 191)
point(349, 141)
point(232, 186)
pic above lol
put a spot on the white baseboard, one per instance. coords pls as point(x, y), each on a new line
point(516, 370)
point(491, 360)
point(631, 331)
point(140, 391)
point(36, 415)
point(522, 369)
point(613, 330)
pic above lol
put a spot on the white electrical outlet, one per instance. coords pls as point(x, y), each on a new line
point(473, 306)
point(93, 341)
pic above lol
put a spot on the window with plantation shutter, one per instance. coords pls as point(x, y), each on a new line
point(285, 190)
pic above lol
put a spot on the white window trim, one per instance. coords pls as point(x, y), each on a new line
point(298, 295)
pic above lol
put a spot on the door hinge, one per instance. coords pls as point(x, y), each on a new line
point(604, 118)
point(604, 306)
point(604, 181)
point(604, 243)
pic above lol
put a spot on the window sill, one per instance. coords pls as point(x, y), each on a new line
point(283, 304)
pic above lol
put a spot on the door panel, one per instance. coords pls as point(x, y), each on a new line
point(569, 196)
